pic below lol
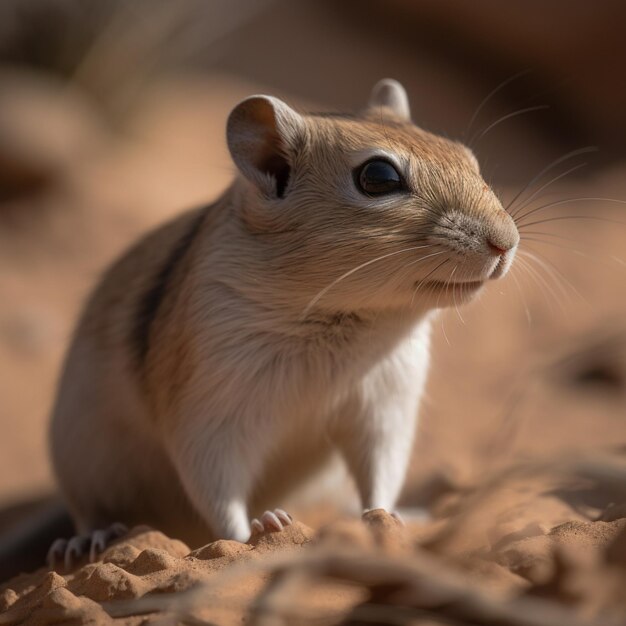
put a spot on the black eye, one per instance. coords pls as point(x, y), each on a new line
point(378, 177)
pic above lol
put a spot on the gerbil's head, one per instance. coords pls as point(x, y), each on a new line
point(368, 211)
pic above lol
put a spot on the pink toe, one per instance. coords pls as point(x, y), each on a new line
point(283, 516)
point(270, 520)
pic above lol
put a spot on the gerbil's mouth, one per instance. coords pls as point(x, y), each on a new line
point(463, 287)
point(503, 265)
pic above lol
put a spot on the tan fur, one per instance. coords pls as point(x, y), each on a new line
point(292, 324)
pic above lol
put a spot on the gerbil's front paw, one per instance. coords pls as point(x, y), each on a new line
point(69, 552)
point(270, 522)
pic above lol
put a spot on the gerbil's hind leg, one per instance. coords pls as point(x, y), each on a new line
point(70, 551)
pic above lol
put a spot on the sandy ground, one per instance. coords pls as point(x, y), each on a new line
point(520, 455)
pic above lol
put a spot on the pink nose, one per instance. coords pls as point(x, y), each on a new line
point(495, 249)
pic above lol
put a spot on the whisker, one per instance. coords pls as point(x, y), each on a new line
point(561, 246)
point(426, 278)
point(383, 234)
point(609, 262)
point(591, 256)
point(321, 294)
point(461, 294)
point(395, 279)
point(432, 287)
point(443, 324)
point(559, 218)
point(491, 94)
point(447, 285)
point(442, 318)
point(522, 296)
point(587, 245)
point(463, 291)
point(553, 274)
point(546, 265)
point(539, 107)
point(544, 287)
point(425, 257)
point(536, 193)
point(428, 256)
point(547, 168)
point(449, 282)
point(566, 201)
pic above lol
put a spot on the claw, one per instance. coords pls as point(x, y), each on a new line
point(117, 530)
point(69, 552)
point(56, 553)
point(76, 547)
point(270, 522)
point(283, 516)
point(98, 544)
point(256, 526)
point(396, 515)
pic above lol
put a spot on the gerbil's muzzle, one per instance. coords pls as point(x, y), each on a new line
point(502, 239)
point(501, 233)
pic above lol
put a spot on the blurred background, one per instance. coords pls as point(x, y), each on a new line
point(112, 119)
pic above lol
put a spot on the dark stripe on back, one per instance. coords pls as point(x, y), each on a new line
point(150, 302)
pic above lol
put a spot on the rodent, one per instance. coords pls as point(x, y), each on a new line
point(227, 355)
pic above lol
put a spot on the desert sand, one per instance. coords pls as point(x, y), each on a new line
point(351, 571)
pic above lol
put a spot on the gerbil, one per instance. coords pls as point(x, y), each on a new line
point(230, 352)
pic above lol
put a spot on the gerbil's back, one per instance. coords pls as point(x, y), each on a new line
point(100, 406)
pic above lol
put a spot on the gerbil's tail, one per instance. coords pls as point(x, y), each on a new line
point(26, 532)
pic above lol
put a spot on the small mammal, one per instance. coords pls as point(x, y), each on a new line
point(231, 351)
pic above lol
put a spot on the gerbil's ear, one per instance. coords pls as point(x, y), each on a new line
point(391, 94)
point(260, 132)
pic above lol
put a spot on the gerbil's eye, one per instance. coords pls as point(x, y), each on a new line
point(378, 177)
